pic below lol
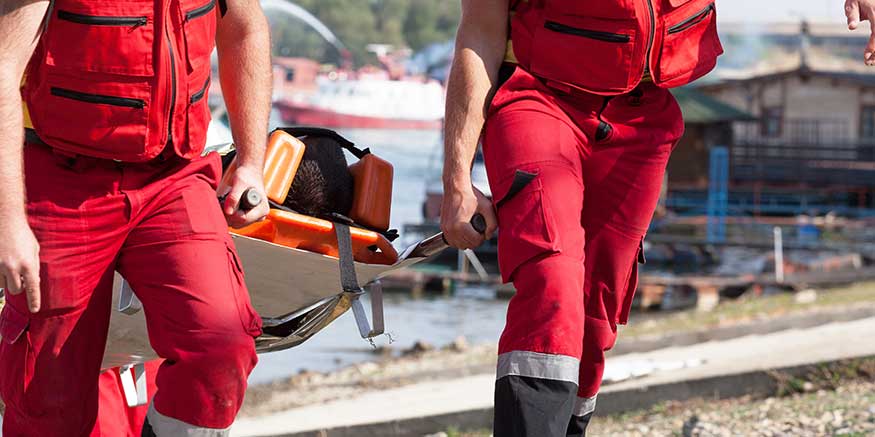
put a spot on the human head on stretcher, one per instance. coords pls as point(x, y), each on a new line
point(311, 187)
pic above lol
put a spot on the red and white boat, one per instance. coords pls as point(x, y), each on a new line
point(368, 98)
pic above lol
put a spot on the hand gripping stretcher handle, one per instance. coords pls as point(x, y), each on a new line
point(478, 222)
point(250, 199)
point(437, 243)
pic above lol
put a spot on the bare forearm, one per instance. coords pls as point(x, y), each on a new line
point(245, 71)
point(11, 174)
point(19, 31)
point(479, 51)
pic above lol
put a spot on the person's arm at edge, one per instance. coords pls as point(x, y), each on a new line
point(863, 10)
point(243, 43)
point(480, 46)
point(19, 250)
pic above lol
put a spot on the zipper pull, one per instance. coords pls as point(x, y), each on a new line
point(142, 21)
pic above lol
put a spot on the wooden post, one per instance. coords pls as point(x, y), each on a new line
point(417, 289)
point(707, 297)
point(779, 255)
point(462, 262)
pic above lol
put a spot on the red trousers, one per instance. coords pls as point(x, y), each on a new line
point(570, 240)
point(159, 225)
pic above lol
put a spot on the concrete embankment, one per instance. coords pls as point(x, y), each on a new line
point(725, 368)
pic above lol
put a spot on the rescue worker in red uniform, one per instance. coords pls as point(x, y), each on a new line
point(115, 181)
point(577, 126)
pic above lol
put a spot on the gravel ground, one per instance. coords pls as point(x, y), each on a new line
point(848, 410)
point(834, 400)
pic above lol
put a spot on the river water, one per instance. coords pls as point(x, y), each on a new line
point(471, 312)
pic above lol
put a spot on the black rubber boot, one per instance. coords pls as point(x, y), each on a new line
point(532, 407)
point(577, 425)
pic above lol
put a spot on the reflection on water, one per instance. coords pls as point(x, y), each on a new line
point(473, 313)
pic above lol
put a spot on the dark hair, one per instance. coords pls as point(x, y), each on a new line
point(323, 184)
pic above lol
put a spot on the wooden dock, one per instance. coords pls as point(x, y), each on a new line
point(652, 289)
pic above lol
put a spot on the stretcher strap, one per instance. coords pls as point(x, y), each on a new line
point(301, 131)
point(349, 282)
point(134, 385)
point(128, 303)
point(348, 278)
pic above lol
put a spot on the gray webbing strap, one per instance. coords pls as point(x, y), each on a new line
point(128, 303)
point(134, 384)
point(349, 282)
point(348, 278)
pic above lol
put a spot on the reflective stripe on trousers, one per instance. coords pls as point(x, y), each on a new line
point(584, 406)
point(164, 426)
point(537, 365)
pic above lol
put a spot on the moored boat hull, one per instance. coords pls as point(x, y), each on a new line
point(296, 114)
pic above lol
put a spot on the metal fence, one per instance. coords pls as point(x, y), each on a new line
point(805, 151)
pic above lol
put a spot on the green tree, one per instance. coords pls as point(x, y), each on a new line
point(357, 23)
point(390, 15)
point(431, 21)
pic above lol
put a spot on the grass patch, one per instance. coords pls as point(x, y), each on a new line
point(752, 308)
point(825, 376)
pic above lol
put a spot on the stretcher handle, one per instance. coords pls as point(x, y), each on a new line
point(250, 199)
point(479, 223)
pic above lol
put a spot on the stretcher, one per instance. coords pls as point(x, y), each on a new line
point(296, 292)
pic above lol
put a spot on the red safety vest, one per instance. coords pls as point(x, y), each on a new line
point(123, 79)
point(608, 46)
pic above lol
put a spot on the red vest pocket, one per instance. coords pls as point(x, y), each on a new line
point(594, 54)
point(200, 31)
point(198, 116)
point(103, 120)
point(102, 37)
point(690, 44)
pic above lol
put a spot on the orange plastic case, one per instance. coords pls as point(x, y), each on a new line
point(372, 202)
point(281, 160)
point(371, 205)
point(316, 235)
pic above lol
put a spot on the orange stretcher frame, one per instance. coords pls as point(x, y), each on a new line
point(317, 235)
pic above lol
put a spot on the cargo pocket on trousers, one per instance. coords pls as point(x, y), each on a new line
point(525, 230)
point(631, 287)
point(16, 356)
point(250, 319)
